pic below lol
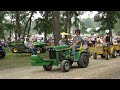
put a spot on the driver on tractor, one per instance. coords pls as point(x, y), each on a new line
point(108, 41)
point(77, 40)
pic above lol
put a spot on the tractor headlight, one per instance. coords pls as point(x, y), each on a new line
point(53, 49)
point(48, 49)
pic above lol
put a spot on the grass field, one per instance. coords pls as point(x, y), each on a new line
point(18, 60)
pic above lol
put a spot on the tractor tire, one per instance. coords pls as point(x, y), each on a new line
point(95, 55)
point(119, 52)
point(65, 66)
point(14, 50)
point(2, 54)
point(102, 56)
point(43, 50)
point(38, 50)
point(47, 68)
point(114, 53)
point(83, 61)
point(107, 56)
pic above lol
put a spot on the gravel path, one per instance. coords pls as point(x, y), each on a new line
point(97, 69)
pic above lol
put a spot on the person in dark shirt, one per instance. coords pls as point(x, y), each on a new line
point(108, 41)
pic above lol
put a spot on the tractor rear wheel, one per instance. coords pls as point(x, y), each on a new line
point(47, 68)
point(119, 52)
point(2, 54)
point(39, 50)
point(83, 61)
point(65, 66)
point(114, 53)
point(14, 50)
point(43, 50)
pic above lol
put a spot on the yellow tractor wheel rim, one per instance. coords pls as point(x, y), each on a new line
point(38, 51)
point(14, 50)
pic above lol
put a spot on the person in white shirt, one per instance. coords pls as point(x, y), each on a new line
point(62, 41)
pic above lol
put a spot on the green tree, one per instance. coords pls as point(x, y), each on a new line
point(2, 26)
point(116, 29)
point(107, 19)
point(44, 24)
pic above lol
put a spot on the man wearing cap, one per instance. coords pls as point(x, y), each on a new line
point(77, 40)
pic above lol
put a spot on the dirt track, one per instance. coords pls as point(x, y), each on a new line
point(97, 69)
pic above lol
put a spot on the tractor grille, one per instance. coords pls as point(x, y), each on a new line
point(52, 53)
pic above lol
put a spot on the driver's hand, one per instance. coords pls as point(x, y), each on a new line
point(71, 46)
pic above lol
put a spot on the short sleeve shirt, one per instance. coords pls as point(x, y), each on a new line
point(77, 38)
point(61, 43)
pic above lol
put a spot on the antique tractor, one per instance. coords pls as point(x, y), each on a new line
point(19, 47)
point(2, 52)
point(102, 49)
point(61, 55)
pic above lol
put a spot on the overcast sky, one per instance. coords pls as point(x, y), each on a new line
point(85, 15)
point(88, 14)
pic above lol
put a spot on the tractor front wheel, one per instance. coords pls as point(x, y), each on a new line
point(107, 56)
point(47, 68)
point(71, 62)
point(84, 60)
point(65, 66)
point(95, 55)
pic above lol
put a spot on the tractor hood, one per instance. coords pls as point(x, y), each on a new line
point(38, 43)
point(57, 48)
point(16, 42)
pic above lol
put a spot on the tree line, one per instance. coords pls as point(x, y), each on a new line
point(20, 22)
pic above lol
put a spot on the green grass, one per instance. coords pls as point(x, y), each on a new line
point(16, 60)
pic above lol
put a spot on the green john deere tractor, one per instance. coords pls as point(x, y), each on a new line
point(61, 55)
point(19, 47)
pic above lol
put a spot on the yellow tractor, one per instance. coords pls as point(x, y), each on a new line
point(105, 51)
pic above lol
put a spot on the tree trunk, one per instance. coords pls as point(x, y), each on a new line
point(28, 22)
point(68, 21)
point(110, 31)
point(17, 24)
point(46, 29)
point(29, 28)
point(12, 27)
point(56, 27)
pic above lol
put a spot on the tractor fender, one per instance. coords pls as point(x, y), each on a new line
point(83, 52)
point(89, 54)
point(78, 54)
point(111, 49)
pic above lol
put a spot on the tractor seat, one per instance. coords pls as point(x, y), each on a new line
point(82, 47)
